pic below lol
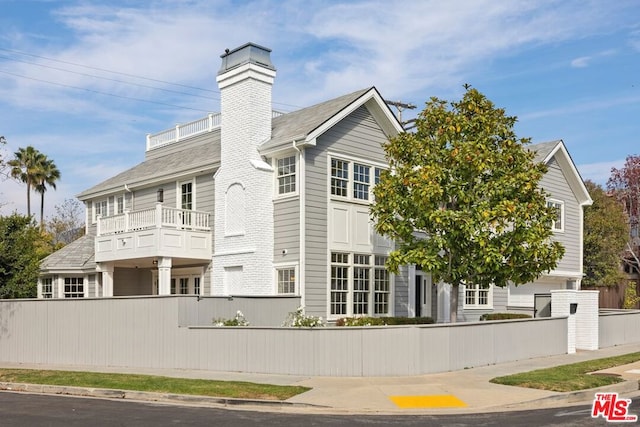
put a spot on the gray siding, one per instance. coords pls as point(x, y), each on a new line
point(555, 183)
point(401, 293)
point(286, 225)
point(357, 135)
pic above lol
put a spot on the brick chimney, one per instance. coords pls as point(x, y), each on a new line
point(243, 224)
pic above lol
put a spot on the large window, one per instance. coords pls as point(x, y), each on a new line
point(360, 285)
point(47, 287)
point(286, 280)
point(353, 180)
point(100, 208)
point(286, 168)
point(73, 287)
point(477, 296)
point(558, 221)
point(119, 204)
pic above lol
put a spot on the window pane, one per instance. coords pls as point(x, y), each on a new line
point(381, 286)
point(186, 195)
point(287, 175)
point(339, 177)
point(361, 181)
point(287, 281)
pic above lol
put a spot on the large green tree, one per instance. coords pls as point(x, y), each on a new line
point(606, 233)
point(462, 200)
point(25, 166)
point(22, 246)
point(46, 176)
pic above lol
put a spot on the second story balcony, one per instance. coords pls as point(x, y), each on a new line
point(156, 232)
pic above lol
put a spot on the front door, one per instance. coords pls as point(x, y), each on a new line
point(423, 295)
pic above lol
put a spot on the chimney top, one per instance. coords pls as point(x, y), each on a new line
point(248, 53)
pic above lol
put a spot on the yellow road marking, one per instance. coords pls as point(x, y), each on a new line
point(433, 401)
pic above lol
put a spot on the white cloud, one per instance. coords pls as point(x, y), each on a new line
point(581, 62)
point(599, 172)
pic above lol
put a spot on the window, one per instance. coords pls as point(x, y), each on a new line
point(47, 287)
point(477, 296)
point(186, 195)
point(119, 204)
point(196, 285)
point(173, 286)
point(73, 287)
point(339, 282)
point(287, 280)
point(355, 185)
point(184, 285)
point(339, 177)
point(361, 181)
point(100, 208)
point(557, 224)
point(286, 175)
point(382, 288)
point(360, 285)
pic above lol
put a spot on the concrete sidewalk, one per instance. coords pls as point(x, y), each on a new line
point(465, 391)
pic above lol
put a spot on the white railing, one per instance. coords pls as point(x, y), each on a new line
point(158, 217)
point(182, 131)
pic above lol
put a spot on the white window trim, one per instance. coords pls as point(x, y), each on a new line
point(562, 215)
point(350, 181)
point(179, 184)
point(95, 211)
point(350, 286)
point(276, 183)
point(286, 266)
point(487, 306)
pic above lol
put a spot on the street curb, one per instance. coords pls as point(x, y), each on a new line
point(149, 396)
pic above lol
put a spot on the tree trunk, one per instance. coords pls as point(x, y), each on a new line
point(453, 302)
point(42, 211)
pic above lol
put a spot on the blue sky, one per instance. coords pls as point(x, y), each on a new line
point(84, 82)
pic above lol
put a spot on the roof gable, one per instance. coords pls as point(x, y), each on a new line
point(302, 127)
point(546, 151)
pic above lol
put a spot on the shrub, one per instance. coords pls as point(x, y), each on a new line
point(383, 321)
point(298, 319)
point(238, 320)
point(504, 316)
point(630, 296)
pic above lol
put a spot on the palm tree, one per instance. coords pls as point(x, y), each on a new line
point(24, 167)
point(46, 175)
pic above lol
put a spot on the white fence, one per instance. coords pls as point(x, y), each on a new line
point(155, 332)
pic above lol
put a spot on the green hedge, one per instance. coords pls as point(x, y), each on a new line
point(504, 316)
point(383, 321)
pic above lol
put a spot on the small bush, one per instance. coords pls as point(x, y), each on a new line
point(383, 321)
point(238, 320)
point(504, 316)
point(298, 319)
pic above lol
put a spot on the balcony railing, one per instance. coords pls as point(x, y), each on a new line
point(182, 131)
point(158, 217)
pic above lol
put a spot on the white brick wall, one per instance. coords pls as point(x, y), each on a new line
point(246, 123)
point(561, 301)
point(583, 325)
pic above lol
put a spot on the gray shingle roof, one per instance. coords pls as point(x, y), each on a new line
point(204, 155)
point(78, 254)
point(300, 123)
point(543, 149)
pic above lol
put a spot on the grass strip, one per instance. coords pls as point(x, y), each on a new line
point(150, 383)
point(570, 377)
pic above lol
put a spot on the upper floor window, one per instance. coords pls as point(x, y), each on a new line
point(100, 208)
point(557, 224)
point(186, 195)
point(286, 170)
point(353, 180)
point(119, 204)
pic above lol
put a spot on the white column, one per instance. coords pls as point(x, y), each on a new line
point(107, 278)
point(587, 320)
point(58, 287)
point(164, 276)
point(561, 302)
point(444, 307)
point(39, 287)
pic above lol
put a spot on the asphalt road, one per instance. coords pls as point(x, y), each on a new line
point(23, 409)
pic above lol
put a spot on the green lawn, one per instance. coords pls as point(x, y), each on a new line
point(232, 389)
point(569, 377)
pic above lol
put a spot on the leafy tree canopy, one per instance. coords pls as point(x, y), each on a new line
point(22, 246)
point(606, 232)
point(462, 198)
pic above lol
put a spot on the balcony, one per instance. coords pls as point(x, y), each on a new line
point(155, 232)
